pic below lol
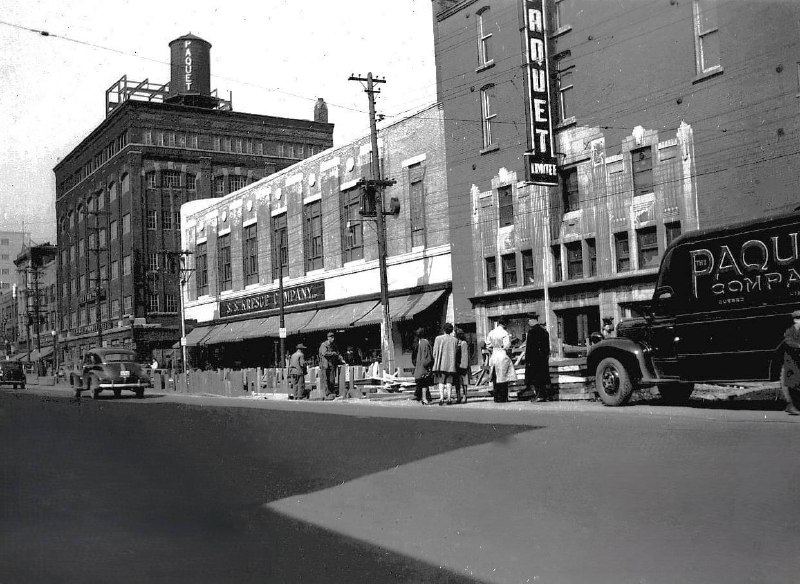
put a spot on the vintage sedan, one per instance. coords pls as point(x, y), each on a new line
point(112, 369)
point(12, 373)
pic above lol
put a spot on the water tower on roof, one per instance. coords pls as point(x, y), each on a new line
point(190, 68)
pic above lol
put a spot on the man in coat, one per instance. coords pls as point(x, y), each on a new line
point(790, 374)
point(501, 369)
point(537, 360)
point(297, 373)
point(422, 359)
point(329, 360)
point(445, 362)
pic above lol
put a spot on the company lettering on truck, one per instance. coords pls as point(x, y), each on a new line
point(736, 272)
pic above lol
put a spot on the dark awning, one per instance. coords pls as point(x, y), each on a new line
point(344, 316)
point(229, 332)
point(403, 307)
point(197, 334)
point(46, 352)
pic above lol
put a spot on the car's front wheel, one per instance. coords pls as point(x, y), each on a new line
point(613, 382)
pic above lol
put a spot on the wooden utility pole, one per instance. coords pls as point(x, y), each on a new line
point(387, 346)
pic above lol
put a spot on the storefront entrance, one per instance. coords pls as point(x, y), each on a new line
point(576, 324)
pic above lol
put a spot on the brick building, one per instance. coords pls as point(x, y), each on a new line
point(36, 304)
point(119, 193)
point(303, 222)
point(11, 243)
point(583, 136)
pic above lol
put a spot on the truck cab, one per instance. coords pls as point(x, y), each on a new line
point(721, 304)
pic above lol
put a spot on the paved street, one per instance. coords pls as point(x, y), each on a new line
point(188, 489)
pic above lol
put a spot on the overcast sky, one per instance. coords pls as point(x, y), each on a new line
point(275, 57)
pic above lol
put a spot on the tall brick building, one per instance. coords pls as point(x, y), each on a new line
point(119, 193)
point(583, 135)
point(304, 223)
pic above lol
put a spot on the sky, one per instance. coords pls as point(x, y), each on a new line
point(276, 58)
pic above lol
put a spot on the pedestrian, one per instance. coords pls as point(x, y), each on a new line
point(297, 373)
point(537, 360)
point(154, 364)
point(501, 369)
point(445, 362)
point(462, 376)
point(422, 359)
point(351, 356)
point(329, 360)
point(608, 327)
point(790, 373)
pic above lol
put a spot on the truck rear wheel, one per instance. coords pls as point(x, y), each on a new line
point(613, 382)
point(675, 394)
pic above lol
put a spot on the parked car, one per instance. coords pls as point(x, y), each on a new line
point(722, 302)
point(109, 368)
point(11, 373)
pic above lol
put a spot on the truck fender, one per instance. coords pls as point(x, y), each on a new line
point(630, 353)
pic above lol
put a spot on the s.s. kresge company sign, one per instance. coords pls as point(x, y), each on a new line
point(313, 292)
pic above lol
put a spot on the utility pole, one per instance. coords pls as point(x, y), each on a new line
point(377, 185)
point(184, 274)
point(98, 289)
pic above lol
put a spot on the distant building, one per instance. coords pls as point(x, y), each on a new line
point(304, 222)
point(11, 243)
point(36, 304)
point(119, 193)
point(583, 136)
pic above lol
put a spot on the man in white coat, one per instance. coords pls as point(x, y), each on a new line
point(501, 369)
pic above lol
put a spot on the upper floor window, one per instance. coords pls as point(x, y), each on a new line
point(491, 273)
point(172, 179)
point(416, 198)
point(352, 226)
point(484, 38)
point(237, 182)
point(166, 219)
point(528, 275)
point(250, 254)
point(152, 220)
point(219, 186)
point(152, 303)
point(125, 185)
point(574, 260)
point(4, 241)
point(224, 262)
point(152, 262)
point(126, 223)
point(487, 115)
point(565, 95)
point(201, 268)
point(313, 235)
point(673, 230)
point(509, 270)
point(280, 246)
point(623, 251)
point(127, 266)
point(569, 189)
point(148, 136)
point(191, 182)
point(647, 247)
point(642, 163)
point(151, 180)
point(505, 204)
point(706, 36)
point(558, 271)
point(591, 253)
point(558, 14)
point(171, 303)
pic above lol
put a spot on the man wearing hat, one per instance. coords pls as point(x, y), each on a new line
point(537, 360)
point(297, 374)
point(329, 361)
point(790, 374)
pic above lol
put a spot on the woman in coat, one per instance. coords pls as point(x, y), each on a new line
point(445, 362)
point(422, 359)
point(501, 369)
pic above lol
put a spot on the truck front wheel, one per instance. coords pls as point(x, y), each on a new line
point(612, 382)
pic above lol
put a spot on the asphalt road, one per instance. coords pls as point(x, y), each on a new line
point(182, 489)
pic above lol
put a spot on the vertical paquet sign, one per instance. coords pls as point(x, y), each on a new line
point(540, 162)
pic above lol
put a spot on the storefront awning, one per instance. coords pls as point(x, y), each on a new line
point(403, 307)
point(19, 357)
point(338, 317)
point(197, 334)
point(229, 332)
point(43, 354)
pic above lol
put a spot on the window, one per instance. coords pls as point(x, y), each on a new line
point(152, 262)
point(159, 138)
point(148, 136)
point(280, 246)
point(706, 36)
point(125, 184)
point(151, 180)
point(313, 235)
point(152, 302)
point(569, 189)
point(558, 15)
point(192, 141)
point(509, 263)
point(126, 223)
point(250, 254)
point(565, 95)
point(647, 247)
point(82, 282)
point(166, 220)
point(623, 252)
point(237, 145)
point(574, 260)
point(642, 161)
point(487, 115)
point(224, 271)
point(201, 268)
point(505, 203)
point(4, 241)
point(416, 198)
point(171, 139)
point(484, 38)
point(237, 182)
point(219, 186)
point(172, 179)
point(81, 248)
point(127, 303)
point(226, 143)
point(126, 265)
point(191, 182)
point(103, 237)
point(176, 219)
point(673, 231)
point(171, 303)
point(115, 308)
point(152, 220)
point(558, 272)
point(114, 269)
point(181, 140)
point(352, 226)
point(112, 230)
point(591, 253)
point(216, 144)
point(103, 275)
point(491, 273)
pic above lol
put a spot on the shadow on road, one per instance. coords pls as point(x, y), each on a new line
point(176, 492)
